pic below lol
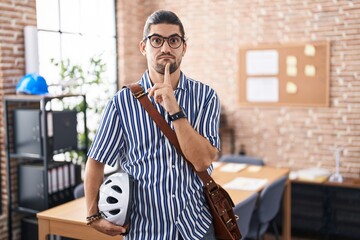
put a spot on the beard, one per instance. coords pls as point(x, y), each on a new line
point(160, 68)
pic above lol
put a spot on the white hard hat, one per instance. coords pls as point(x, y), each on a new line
point(115, 198)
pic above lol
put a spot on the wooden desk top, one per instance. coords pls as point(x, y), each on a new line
point(237, 196)
point(74, 212)
point(348, 183)
point(68, 220)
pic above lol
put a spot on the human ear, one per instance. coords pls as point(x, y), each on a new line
point(142, 46)
point(184, 49)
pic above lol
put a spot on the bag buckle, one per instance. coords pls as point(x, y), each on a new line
point(229, 223)
point(211, 191)
point(140, 94)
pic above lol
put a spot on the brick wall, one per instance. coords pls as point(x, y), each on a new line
point(14, 15)
point(283, 136)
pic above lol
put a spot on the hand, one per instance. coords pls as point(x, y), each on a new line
point(163, 93)
point(108, 228)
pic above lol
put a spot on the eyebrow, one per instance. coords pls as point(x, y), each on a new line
point(172, 35)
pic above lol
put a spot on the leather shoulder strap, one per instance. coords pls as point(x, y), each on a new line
point(140, 94)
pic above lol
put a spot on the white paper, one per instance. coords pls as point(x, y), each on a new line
point(262, 62)
point(31, 49)
point(233, 167)
point(216, 164)
point(246, 184)
point(313, 173)
point(262, 89)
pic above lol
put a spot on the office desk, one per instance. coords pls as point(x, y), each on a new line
point(270, 173)
point(68, 220)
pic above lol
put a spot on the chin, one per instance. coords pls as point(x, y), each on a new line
point(160, 68)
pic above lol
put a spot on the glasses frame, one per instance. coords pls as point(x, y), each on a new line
point(165, 39)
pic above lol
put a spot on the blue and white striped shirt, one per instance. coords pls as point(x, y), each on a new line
point(167, 198)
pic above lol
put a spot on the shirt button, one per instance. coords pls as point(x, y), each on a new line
point(173, 196)
point(173, 166)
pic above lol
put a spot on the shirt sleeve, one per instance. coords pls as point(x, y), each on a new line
point(107, 142)
point(209, 117)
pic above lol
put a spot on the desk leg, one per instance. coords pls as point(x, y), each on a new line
point(287, 211)
point(44, 229)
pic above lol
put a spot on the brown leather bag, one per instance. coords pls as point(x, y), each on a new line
point(219, 201)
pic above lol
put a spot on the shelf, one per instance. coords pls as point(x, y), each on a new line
point(26, 210)
point(26, 155)
point(37, 98)
point(31, 134)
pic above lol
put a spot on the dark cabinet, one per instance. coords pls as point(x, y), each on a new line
point(38, 128)
point(326, 210)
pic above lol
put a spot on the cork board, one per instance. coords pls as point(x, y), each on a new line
point(284, 75)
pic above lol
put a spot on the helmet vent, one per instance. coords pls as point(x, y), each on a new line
point(111, 200)
point(108, 181)
point(117, 188)
point(114, 212)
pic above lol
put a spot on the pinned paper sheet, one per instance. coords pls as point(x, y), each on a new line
point(291, 88)
point(246, 184)
point(262, 62)
point(264, 89)
point(233, 167)
point(309, 50)
point(291, 61)
point(291, 71)
point(310, 70)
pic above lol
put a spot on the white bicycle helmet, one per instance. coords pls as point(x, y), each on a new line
point(115, 198)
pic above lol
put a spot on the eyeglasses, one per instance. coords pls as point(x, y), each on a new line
point(157, 41)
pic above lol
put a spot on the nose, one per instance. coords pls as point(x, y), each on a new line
point(165, 48)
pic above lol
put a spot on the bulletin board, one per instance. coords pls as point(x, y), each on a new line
point(284, 75)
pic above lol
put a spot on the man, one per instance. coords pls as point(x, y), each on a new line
point(167, 200)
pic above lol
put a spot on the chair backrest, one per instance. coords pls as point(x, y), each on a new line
point(79, 191)
point(242, 159)
point(244, 210)
point(270, 199)
point(267, 207)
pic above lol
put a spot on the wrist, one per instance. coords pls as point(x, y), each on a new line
point(177, 115)
point(93, 218)
point(175, 110)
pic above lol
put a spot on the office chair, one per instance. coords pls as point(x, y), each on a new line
point(266, 209)
point(242, 159)
point(244, 211)
point(79, 191)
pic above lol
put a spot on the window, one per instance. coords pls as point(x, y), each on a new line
point(78, 30)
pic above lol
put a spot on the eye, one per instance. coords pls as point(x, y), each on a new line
point(156, 40)
point(174, 40)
